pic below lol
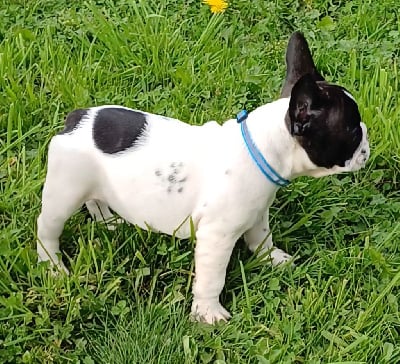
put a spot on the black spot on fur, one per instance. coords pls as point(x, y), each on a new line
point(117, 129)
point(72, 120)
point(176, 167)
point(158, 173)
point(180, 189)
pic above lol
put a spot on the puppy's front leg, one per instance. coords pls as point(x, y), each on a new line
point(213, 250)
point(259, 238)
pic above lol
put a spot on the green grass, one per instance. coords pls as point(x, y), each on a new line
point(127, 299)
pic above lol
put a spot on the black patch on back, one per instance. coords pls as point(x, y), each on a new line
point(72, 120)
point(117, 129)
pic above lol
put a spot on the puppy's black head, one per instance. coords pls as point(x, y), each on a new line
point(325, 120)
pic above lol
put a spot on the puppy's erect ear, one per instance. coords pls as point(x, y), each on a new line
point(298, 63)
point(305, 105)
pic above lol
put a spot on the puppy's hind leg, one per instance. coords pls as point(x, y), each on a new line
point(65, 190)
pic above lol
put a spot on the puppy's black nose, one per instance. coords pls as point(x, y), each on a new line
point(363, 151)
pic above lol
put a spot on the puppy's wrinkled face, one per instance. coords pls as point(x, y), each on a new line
point(325, 120)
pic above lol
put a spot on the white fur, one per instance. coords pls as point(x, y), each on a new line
point(223, 195)
point(349, 95)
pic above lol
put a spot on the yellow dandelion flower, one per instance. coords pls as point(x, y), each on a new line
point(216, 6)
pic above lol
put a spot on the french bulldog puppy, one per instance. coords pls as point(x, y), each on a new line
point(162, 174)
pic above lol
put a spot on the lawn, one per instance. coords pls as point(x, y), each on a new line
point(127, 299)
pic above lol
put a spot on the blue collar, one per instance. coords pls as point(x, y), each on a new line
point(256, 155)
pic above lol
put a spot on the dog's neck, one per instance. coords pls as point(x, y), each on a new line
point(270, 132)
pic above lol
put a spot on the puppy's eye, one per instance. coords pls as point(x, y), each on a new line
point(303, 107)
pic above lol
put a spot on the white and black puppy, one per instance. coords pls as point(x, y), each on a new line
point(171, 177)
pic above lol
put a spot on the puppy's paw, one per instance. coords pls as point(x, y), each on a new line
point(209, 311)
point(278, 257)
point(60, 268)
point(55, 268)
point(56, 264)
